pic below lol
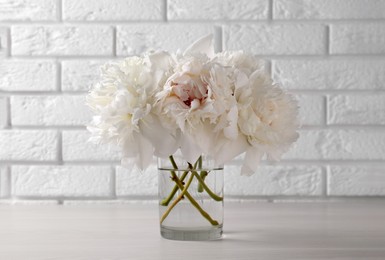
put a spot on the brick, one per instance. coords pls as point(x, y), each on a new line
point(278, 39)
point(217, 10)
point(137, 38)
point(331, 74)
point(117, 10)
point(356, 109)
point(3, 112)
point(365, 180)
point(50, 110)
point(27, 75)
point(364, 38)
point(4, 180)
point(76, 147)
point(24, 10)
point(311, 109)
point(28, 145)
point(133, 182)
point(80, 75)
point(328, 9)
point(62, 40)
point(3, 42)
point(274, 180)
point(339, 145)
point(67, 181)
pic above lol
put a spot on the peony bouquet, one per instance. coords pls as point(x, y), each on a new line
point(194, 102)
point(202, 106)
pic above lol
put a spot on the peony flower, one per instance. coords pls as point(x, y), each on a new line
point(194, 100)
point(123, 102)
point(267, 116)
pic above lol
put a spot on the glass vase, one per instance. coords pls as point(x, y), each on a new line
point(190, 198)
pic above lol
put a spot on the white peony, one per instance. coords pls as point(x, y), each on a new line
point(267, 116)
point(195, 101)
point(123, 102)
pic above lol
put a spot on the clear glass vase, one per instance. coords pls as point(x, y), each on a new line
point(190, 198)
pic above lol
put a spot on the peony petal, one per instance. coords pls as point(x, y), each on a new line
point(252, 159)
point(189, 148)
point(137, 151)
point(203, 45)
point(145, 152)
point(230, 149)
point(231, 131)
point(205, 138)
point(164, 143)
point(160, 60)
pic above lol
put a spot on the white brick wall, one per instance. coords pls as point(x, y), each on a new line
point(27, 75)
point(117, 10)
point(217, 10)
point(276, 39)
point(136, 38)
point(61, 181)
point(49, 110)
point(329, 53)
point(61, 40)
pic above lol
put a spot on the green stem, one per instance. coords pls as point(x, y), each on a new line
point(200, 188)
point(187, 194)
point(205, 187)
point(176, 201)
point(200, 162)
point(167, 200)
point(203, 175)
point(193, 201)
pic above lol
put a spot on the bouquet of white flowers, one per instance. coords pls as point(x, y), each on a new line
point(201, 102)
point(196, 104)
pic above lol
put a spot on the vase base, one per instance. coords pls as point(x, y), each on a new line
point(191, 234)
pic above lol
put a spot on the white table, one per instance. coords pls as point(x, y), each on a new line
point(354, 230)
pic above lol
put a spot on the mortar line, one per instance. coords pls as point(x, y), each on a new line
point(58, 76)
point(326, 110)
point(270, 14)
point(114, 41)
point(42, 127)
point(327, 40)
point(113, 182)
point(60, 147)
point(9, 43)
point(200, 21)
point(45, 93)
point(8, 115)
point(307, 57)
point(59, 10)
point(326, 170)
point(164, 11)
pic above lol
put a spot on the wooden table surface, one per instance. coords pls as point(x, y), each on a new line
point(353, 230)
